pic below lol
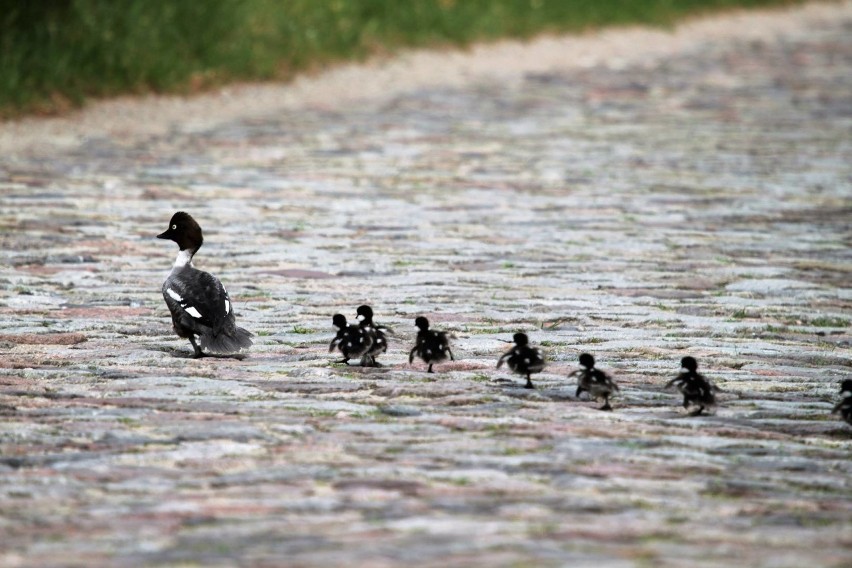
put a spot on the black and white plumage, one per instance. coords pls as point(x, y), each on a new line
point(696, 389)
point(523, 359)
point(351, 340)
point(199, 304)
point(844, 407)
point(431, 346)
point(377, 332)
point(594, 381)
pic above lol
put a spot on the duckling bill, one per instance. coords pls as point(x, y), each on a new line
point(523, 359)
point(431, 346)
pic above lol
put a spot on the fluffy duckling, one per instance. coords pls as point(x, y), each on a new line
point(199, 304)
point(696, 389)
point(844, 407)
point(594, 381)
point(523, 359)
point(377, 332)
point(431, 346)
point(351, 340)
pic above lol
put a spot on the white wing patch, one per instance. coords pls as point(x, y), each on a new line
point(193, 312)
point(227, 307)
point(174, 295)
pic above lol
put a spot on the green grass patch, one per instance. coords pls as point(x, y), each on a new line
point(741, 314)
point(827, 321)
point(57, 53)
point(819, 321)
point(590, 340)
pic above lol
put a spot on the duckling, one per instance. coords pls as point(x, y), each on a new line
point(696, 389)
point(844, 407)
point(377, 332)
point(432, 346)
point(594, 381)
point(351, 340)
point(523, 359)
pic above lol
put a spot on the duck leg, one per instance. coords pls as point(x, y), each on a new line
point(430, 368)
point(699, 411)
point(529, 384)
point(198, 352)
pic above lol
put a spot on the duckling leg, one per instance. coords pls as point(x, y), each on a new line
point(430, 368)
point(529, 384)
point(685, 402)
point(345, 361)
point(699, 411)
point(606, 405)
point(198, 352)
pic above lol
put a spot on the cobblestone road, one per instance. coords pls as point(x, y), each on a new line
point(699, 204)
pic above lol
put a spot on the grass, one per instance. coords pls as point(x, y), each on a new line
point(55, 54)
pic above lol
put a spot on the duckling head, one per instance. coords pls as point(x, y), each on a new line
point(365, 313)
point(587, 361)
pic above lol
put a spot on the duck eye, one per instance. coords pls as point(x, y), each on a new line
point(174, 227)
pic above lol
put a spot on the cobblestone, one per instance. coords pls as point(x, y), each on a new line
point(695, 204)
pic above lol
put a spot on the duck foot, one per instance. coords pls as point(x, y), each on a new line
point(198, 353)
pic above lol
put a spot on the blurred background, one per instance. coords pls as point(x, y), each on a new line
point(54, 54)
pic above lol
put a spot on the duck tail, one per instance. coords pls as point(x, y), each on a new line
point(227, 341)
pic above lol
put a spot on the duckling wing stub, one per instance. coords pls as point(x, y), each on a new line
point(678, 380)
point(503, 358)
point(335, 341)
